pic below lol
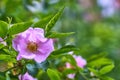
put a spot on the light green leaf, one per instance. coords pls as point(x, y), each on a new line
point(3, 29)
point(58, 35)
point(52, 22)
point(19, 27)
point(53, 75)
point(7, 58)
point(4, 57)
point(97, 56)
point(7, 76)
point(106, 69)
point(99, 62)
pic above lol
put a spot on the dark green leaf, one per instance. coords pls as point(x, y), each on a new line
point(44, 65)
point(19, 27)
point(3, 66)
point(106, 78)
point(58, 35)
point(95, 72)
point(32, 69)
point(1, 46)
point(3, 29)
point(53, 75)
point(68, 71)
point(43, 22)
point(52, 22)
point(65, 49)
point(2, 77)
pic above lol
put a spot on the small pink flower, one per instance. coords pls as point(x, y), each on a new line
point(80, 63)
point(2, 42)
point(71, 76)
point(31, 44)
point(26, 76)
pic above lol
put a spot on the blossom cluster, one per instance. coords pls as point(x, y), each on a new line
point(33, 45)
point(81, 62)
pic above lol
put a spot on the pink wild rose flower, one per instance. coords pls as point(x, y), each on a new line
point(31, 44)
point(80, 63)
point(26, 76)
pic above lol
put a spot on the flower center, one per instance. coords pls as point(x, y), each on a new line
point(32, 46)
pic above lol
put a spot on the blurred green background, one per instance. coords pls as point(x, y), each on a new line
point(96, 23)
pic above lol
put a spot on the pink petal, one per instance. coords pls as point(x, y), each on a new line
point(40, 58)
point(19, 57)
point(71, 76)
point(47, 47)
point(80, 61)
point(28, 55)
point(68, 65)
point(26, 76)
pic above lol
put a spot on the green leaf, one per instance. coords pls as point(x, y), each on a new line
point(7, 58)
point(3, 66)
point(42, 23)
point(31, 68)
point(106, 69)
point(97, 56)
point(19, 27)
point(9, 20)
point(71, 59)
point(68, 71)
point(4, 57)
point(3, 29)
point(100, 62)
point(1, 46)
point(95, 72)
point(2, 77)
point(7, 76)
point(11, 53)
point(52, 22)
point(58, 35)
point(43, 65)
point(53, 75)
point(106, 78)
point(65, 49)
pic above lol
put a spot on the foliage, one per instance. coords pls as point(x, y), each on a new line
point(96, 41)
